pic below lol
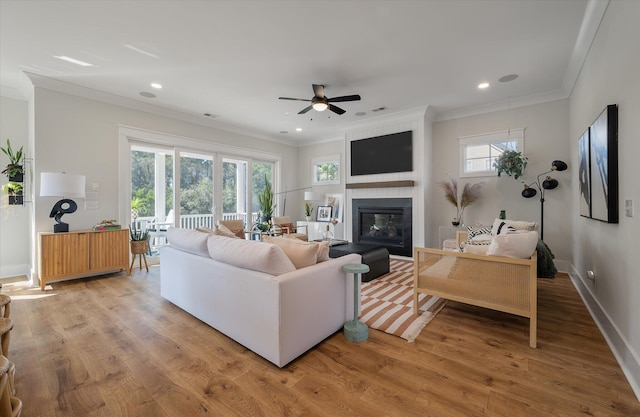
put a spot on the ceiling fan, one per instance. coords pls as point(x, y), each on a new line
point(320, 102)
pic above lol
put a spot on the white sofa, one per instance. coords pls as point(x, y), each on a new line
point(278, 314)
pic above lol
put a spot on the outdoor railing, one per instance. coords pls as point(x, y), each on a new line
point(193, 221)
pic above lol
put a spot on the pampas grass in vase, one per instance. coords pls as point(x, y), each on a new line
point(470, 193)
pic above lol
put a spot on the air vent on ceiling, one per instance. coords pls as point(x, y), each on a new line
point(210, 115)
point(379, 109)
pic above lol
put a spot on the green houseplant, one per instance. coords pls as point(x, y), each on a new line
point(139, 240)
point(512, 163)
point(265, 201)
point(14, 169)
point(308, 210)
point(13, 190)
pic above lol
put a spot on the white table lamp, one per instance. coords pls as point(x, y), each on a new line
point(56, 184)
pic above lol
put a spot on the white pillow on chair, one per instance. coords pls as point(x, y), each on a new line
point(514, 245)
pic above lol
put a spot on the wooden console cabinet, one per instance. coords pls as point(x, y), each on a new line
point(81, 253)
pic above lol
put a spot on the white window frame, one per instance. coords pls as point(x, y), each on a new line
point(321, 160)
point(516, 135)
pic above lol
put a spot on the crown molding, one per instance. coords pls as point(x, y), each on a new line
point(92, 94)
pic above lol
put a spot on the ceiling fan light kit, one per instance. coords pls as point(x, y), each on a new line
point(320, 102)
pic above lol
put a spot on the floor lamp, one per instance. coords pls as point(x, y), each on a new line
point(284, 203)
point(547, 184)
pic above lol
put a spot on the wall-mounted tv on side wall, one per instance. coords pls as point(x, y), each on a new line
point(382, 154)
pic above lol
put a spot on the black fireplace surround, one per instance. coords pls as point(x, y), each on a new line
point(384, 222)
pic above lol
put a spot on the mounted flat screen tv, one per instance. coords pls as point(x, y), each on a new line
point(382, 154)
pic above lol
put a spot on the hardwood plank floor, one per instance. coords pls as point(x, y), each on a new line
point(111, 346)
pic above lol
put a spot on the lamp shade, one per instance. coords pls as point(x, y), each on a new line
point(528, 192)
point(310, 196)
point(549, 183)
point(56, 184)
point(558, 166)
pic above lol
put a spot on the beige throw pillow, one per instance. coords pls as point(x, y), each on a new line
point(301, 254)
point(514, 245)
point(222, 230)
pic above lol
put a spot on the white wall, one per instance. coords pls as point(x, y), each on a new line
point(80, 136)
point(546, 139)
point(611, 75)
point(14, 220)
point(304, 177)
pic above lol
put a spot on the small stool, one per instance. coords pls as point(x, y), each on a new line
point(355, 330)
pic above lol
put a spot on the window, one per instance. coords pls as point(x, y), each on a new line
point(479, 152)
point(326, 170)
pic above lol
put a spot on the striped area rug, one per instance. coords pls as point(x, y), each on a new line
point(387, 303)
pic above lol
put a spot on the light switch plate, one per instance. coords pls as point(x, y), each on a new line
point(628, 208)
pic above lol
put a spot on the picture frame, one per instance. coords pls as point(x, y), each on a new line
point(335, 202)
point(584, 174)
point(323, 214)
point(603, 165)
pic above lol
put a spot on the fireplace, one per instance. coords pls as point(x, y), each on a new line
point(384, 222)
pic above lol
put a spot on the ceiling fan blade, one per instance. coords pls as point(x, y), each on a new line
point(318, 90)
point(306, 109)
point(336, 109)
point(297, 99)
point(354, 97)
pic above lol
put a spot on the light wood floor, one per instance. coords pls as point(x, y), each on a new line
point(111, 346)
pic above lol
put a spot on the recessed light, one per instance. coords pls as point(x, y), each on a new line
point(147, 94)
point(482, 86)
point(360, 113)
point(73, 60)
point(156, 85)
point(298, 129)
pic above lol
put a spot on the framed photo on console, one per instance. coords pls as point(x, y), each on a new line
point(323, 214)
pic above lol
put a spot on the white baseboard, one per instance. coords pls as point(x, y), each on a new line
point(8, 271)
point(626, 357)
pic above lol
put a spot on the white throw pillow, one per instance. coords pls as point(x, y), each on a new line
point(514, 245)
point(477, 249)
point(507, 226)
point(188, 240)
point(302, 254)
point(249, 254)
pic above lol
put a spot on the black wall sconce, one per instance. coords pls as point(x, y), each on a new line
point(547, 184)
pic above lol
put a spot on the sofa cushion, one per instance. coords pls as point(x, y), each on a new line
point(204, 229)
point(188, 240)
point(323, 251)
point(249, 254)
point(514, 245)
point(302, 254)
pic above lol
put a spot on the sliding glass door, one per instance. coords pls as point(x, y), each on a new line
point(196, 190)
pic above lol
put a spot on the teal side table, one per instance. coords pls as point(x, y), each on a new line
point(354, 330)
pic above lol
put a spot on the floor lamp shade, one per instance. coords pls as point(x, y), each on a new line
point(55, 184)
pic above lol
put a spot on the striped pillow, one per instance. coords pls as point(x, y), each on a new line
point(476, 231)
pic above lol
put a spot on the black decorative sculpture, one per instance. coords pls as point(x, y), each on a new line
point(548, 184)
point(58, 210)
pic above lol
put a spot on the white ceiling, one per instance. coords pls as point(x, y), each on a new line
point(233, 59)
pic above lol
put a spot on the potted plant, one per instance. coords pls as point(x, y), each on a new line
point(470, 193)
point(512, 163)
point(139, 240)
point(265, 202)
point(14, 191)
point(308, 210)
point(14, 170)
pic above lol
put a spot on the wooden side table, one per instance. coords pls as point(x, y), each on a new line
point(355, 330)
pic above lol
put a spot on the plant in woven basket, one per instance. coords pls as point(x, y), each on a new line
point(470, 193)
point(139, 240)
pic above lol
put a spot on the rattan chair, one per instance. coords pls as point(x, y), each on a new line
point(286, 225)
point(5, 305)
point(10, 406)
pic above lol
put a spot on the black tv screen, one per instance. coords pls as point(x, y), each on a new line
point(382, 154)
